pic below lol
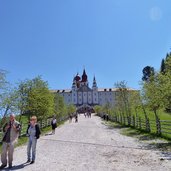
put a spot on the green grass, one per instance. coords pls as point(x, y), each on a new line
point(162, 116)
point(152, 140)
point(161, 113)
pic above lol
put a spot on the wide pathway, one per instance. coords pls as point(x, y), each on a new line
point(89, 145)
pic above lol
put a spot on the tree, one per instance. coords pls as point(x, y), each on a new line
point(151, 92)
point(162, 67)
point(98, 109)
point(168, 63)
point(3, 81)
point(35, 98)
point(7, 94)
point(71, 109)
point(165, 90)
point(9, 101)
point(60, 107)
point(147, 73)
point(122, 98)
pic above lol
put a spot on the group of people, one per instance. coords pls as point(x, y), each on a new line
point(75, 115)
point(87, 114)
point(106, 117)
point(11, 132)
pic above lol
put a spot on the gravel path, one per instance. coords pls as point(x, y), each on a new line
point(89, 145)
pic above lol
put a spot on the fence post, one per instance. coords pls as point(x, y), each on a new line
point(133, 121)
point(124, 120)
point(21, 129)
point(116, 118)
point(147, 124)
point(140, 123)
point(129, 120)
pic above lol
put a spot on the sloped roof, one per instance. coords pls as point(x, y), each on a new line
point(84, 88)
point(61, 91)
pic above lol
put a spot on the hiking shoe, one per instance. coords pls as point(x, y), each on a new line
point(2, 166)
point(31, 162)
point(10, 166)
point(28, 161)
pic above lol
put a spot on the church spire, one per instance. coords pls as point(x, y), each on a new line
point(84, 76)
point(94, 83)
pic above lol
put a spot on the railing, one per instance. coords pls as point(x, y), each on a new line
point(157, 126)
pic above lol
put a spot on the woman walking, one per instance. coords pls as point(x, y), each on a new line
point(53, 124)
point(33, 132)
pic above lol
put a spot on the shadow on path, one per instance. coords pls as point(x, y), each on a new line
point(164, 148)
point(17, 167)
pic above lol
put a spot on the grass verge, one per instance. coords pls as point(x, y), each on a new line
point(151, 141)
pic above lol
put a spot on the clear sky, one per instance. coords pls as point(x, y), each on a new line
point(113, 39)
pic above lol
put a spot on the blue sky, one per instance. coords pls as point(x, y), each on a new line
point(113, 39)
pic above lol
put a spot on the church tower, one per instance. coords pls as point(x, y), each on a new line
point(74, 91)
point(95, 91)
point(84, 80)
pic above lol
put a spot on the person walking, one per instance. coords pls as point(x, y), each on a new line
point(11, 132)
point(70, 118)
point(33, 133)
point(54, 124)
point(76, 117)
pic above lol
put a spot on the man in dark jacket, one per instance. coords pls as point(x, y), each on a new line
point(11, 132)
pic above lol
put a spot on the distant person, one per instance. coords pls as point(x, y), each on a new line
point(54, 124)
point(104, 116)
point(85, 114)
point(33, 132)
point(90, 114)
point(107, 117)
point(70, 118)
point(11, 132)
point(76, 117)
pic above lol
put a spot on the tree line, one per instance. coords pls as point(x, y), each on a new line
point(154, 95)
point(31, 97)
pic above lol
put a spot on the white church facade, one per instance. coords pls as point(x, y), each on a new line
point(83, 96)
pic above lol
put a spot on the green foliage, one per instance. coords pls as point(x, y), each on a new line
point(106, 108)
point(35, 98)
point(3, 81)
point(168, 63)
point(152, 93)
point(8, 96)
point(71, 109)
point(162, 67)
point(122, 98)
point(8, 101)
point(60, 108)
point(98, 109)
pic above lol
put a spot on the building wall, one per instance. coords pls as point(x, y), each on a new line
point(90, 97)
